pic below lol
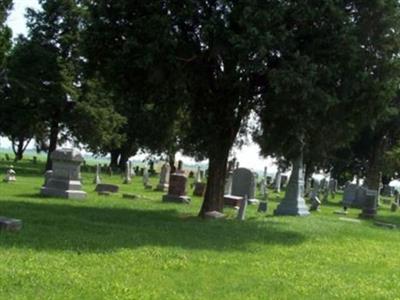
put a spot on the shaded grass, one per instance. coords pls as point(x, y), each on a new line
point(114, 248)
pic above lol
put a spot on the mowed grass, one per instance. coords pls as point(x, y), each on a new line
point(114, 248)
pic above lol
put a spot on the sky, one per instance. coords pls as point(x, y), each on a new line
point(248, 156)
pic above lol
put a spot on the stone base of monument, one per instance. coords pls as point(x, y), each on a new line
point(8, 224)
point(230, 200)
point(162, 188)
point(176, 199)
point(68, 190)
point(286, 210)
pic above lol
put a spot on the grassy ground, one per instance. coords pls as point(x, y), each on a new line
point(113, 248)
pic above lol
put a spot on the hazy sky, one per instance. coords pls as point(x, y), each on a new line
point(16, 20)
point(248, 156)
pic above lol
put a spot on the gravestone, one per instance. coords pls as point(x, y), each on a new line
point(47, 176)
point(242, 209)
point(263, 188)
point(315, 204)
point(164, 178)
point(104, 187)
point(370, 204)
point(228, 184)
point(350, 194)
point(65, 180)
point(278, 180)
point(97, 179)
point(8, 224)
point(177, 189)
point(333, 186)
point(354, 196)
point(293, 204)
point(198, 175)
point(199, 189)
point(127, 178)
point(243, 184)
point(10, 175)
point(146, 179)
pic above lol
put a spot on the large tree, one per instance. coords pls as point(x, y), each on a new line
point(20, 110)
point(5, 32)
point(225, 49)
point(55, 28)
point(131, 46)
point(337, 71)
point(5, 36)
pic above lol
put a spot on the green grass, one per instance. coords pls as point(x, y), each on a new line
point(113, 248)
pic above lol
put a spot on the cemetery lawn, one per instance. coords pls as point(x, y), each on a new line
point(107, 247)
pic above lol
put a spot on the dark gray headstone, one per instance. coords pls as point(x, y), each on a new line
point(104, 187)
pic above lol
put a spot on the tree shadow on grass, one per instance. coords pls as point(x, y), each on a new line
point(94, 229)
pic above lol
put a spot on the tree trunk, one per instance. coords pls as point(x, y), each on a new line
point(115, 153)
point(125, 154)
point(373, 174)
point(171, 160)
point(54, 131)
point(214, 196)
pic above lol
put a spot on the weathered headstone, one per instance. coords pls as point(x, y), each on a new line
point(65, 180)
point(146, 179)
point(350, 194)
point(198, 175)
point(315, 204)
point(228, 184)
point(199, 189)
point(10, 175)
point(97, 179)
point(164, 178)
point(241, 216)
point(370, 204)
point(104, 187)
point(333, 186)
point(243, 184)
point(263, 188)
point(293, 204)
point(177, 189)
point(8, 224)
point(127, 179)
point(278, 179)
